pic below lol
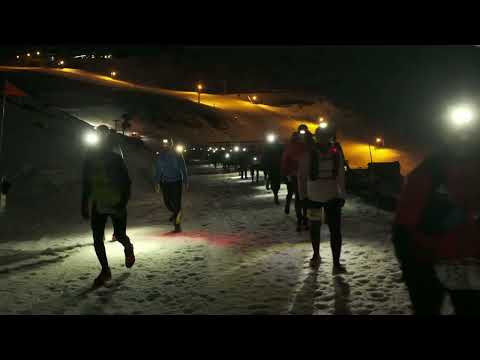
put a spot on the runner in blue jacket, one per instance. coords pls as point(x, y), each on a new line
point(171, 176)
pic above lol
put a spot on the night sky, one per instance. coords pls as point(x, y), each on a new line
point(405, 87)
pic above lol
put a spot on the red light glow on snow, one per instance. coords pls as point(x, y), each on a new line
point(204, 236)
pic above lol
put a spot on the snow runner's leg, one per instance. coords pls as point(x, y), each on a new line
point(176, 201)
point(98, 222)
point(298, 207)
point(288, 199)
point(315, 228)
point(275, 184)
point(426, 291)
point(333, 213)
point(166, 198)
point(119, 222)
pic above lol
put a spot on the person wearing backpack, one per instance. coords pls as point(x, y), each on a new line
point(436, 232)
point(321, 185)
point(106, 184)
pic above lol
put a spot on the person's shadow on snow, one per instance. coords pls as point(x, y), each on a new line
point(305, 299)
point(109, 288)
point(342, 296)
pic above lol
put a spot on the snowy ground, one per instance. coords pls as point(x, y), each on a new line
point(239, 254)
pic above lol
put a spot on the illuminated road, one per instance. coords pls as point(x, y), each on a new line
point(239, 254)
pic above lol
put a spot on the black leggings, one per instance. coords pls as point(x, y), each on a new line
point(427, 293)
point(172, 197)
point(98, 221)
point(333, 213)
point(275, 181)
point(244, 173)
point(292, 188)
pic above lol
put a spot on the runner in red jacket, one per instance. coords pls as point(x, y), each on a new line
point(437, 228)
point(294, 151)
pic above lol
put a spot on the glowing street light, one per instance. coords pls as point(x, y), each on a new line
point(199, 90)
point(61, 63)
point(28, 54)
point(18, 56)
point(179, 148)
point(113, 74)
point(255, 159)
point(227, 156)
point(236, 149)
point(244, 149)
point(321, 119)
point(379, 142)
point(38, 52)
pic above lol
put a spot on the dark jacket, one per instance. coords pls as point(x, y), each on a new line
point(105, 180)
point(272, 158)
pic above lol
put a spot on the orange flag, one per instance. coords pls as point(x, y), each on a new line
point(12, 90)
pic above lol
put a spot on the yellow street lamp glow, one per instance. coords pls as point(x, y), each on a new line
point(38, 52)
point(462, 115)
point(379, 140)
point(61, 62)
point(321, 119)
point(254, 98)
point(113, 73)
point(18, 56)
point(323, 125)
point(199, 87)
point(179, 148)
point(28, 54)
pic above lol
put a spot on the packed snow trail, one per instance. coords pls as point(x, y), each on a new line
point(239, 254)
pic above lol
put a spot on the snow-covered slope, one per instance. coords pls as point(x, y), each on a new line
point(158, 112)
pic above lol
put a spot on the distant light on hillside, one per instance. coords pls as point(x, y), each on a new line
point(271, 138)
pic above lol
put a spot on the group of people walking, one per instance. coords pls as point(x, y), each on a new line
point(436, 232)
point(312, 167)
